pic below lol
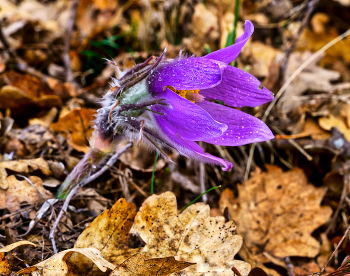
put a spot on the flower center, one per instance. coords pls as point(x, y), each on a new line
point(191, 95)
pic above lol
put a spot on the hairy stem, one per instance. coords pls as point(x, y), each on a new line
point(86, 166)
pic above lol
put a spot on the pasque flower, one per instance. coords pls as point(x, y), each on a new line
point(173, 104)
point(190, 85)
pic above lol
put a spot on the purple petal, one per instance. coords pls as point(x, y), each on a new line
point(230, 53)
point(187, 119)
point(185, 74)
point(238, 88)
point(190, 149)
point(242, 128)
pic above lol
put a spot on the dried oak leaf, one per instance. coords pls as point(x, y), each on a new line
point(109, 233)
point(140, 265)
point(19, 191)
point(192, 236)
point(77, 127)
point(57, 266)
point(276, 212)
point(27, 165)
point(5, 268)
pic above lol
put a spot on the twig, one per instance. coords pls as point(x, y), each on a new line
point(342, 198)
point(64, 209)
point(67, 38)
point(32, 184)
point(295, 144)
point(310, 7)
point(202, 180)
point(289, 265)
point(335, 250)
point(4, 41)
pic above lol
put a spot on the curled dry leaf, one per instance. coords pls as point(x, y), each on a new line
point(57, 266)
point(19, 191)
point(27, 165)
point(14, 245)
point(5, 268)
point(277, 211)
point(192, 236)
point(26, 90)
point(77, 127)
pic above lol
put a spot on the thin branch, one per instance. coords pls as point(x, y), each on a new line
point(335, 250)
point(342, 199)
point(67, 40)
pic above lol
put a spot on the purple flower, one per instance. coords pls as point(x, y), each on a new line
point(169, 103)
point(190, 85)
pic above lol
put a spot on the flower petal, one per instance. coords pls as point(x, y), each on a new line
point(187, 119)
point(242, 128)
point(190, 149)
point(238, 88)
point(185, 74)
point(230, 53)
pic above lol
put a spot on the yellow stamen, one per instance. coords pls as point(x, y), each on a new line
point(184, 93)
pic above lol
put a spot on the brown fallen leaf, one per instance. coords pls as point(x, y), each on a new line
point(276, 212)
point(77, 127)
point(26, 90)
point(4, 264)
point(192, 236)
point(27, 165)
point(139, 265)
point(109, 233)
point(14, 245)
point(57, 266)
point(19, 191)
